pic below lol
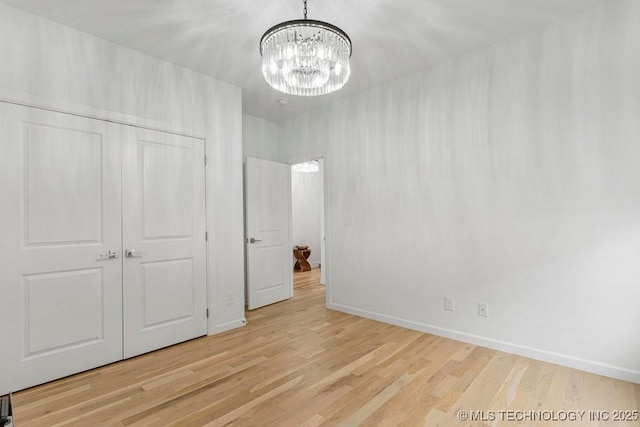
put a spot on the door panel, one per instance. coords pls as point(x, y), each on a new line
point(60, 162)
point(48, 329)
point(268, 211)
point(167, 188)
point(60, 183)
point(164, 222)
point(167, 281)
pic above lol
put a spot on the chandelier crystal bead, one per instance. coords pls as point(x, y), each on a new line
point(306, 57)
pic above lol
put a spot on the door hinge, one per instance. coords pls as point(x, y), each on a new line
point(207, 313)
point(206, 236)
point(205, 160)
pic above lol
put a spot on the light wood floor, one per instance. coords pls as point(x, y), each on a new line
point(297, 363)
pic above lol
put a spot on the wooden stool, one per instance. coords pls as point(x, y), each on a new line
point(302, 253)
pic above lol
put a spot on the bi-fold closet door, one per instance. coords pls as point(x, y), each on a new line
point(102, 243)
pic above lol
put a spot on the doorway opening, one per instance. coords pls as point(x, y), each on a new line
point(308, 216)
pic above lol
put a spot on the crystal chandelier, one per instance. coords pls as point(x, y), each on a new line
point(306, 167)
point(305, 57)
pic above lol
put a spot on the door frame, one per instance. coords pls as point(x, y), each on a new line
point(326, 219)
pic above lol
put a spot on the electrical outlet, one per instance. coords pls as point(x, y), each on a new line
point(230, 299)
point(448, 304)
point(483, 309)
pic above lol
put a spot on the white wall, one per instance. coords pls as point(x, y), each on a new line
point(508, 176)
point(306, 204)
point(259, 138)
point(49, 65)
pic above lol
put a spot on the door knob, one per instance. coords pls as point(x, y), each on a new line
point(108, 255)
point(252, 240)
point(132, 253)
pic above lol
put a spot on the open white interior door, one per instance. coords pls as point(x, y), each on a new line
point(268, 232)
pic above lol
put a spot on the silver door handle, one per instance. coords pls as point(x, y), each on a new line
point(252, 240)
point(132, 253)
point(108, 255)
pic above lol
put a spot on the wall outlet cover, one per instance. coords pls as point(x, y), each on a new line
point(449, 304)
point(483, 309)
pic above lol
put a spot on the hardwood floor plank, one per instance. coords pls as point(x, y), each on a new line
point(298, 363)
point(365, 411)
point(239, 411)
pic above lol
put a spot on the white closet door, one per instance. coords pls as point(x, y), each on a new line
point(60, 215)
point(164, 236)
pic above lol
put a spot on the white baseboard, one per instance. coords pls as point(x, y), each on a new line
point(520, 350)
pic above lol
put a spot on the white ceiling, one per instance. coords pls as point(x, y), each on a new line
point(219, 38)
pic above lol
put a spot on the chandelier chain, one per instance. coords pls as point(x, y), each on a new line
point(305, 9)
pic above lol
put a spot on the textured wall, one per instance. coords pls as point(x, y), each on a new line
point(47, 64)
point(508, 176)
point(259, 138)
